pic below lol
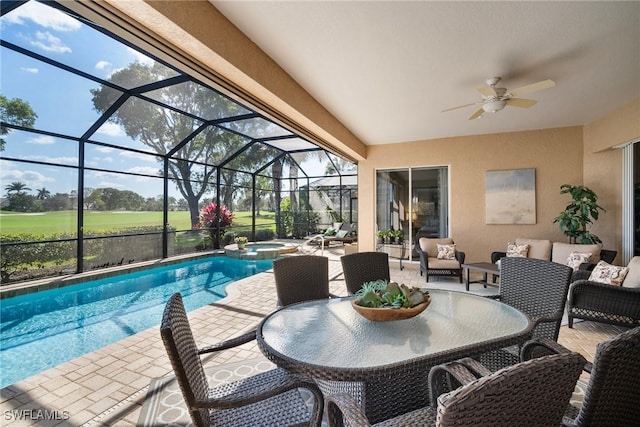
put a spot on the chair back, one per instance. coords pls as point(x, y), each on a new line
point(535, 392)
point(183, 353)
point(362, 267)
point(538, 288)
point(612, 397)
point(301, 278)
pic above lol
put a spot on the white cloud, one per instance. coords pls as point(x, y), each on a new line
point(138, 156)
point(102, 65)
point(44, 16)
point(31, 179)
point(144, 170)
point(50, 43)
point(101, 149)
point(30, 70)
point(42, 140)
point(140, 57)
point(111, 129)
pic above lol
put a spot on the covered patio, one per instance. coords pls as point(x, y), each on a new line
point(109, 387)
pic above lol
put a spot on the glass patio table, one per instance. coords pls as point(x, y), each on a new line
point(385, 365)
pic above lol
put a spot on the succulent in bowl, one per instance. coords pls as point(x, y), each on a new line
point(383, 294)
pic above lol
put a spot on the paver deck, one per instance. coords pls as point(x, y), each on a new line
point(108, 387)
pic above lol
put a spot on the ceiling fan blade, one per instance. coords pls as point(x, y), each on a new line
point(487, 91)
point(476, 114)
point(521, 102)
point(459, 106)
point(545, 84)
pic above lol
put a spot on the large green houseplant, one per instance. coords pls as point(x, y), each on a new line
point(581, 212)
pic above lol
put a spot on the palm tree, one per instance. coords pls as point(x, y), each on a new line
point(17, 187)
point(43, 194)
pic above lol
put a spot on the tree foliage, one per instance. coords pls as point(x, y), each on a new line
point(162, 129)
point(15, 112)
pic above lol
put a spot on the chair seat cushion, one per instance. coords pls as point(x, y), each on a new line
point(435, 263)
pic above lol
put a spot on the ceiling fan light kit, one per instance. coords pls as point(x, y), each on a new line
point(496, 98)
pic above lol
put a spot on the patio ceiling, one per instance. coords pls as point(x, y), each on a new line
point(386, 69)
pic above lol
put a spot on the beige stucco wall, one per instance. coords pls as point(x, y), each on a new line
point(468, 159)
point(603, 166)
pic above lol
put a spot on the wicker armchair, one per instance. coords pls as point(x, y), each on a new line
point(431, 266)
point(270, 398)
point(301, 278)
point(600, 302)
point(539, 289)
point(612, 394)
point(364, 267)
point(535, 392)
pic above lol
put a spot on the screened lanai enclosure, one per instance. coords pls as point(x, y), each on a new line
point(111, 156)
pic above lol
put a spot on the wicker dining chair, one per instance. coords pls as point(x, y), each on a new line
point(539, 289)
point(361, 267)
point(612, 395)
point(534, 392)
point(268, 398)
point(301, 278)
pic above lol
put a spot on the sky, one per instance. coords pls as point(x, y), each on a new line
point(63, 104)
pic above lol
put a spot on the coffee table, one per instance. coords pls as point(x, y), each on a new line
point(485, 268)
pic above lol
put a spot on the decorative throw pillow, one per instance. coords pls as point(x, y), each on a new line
point(519, 251)
point(341, 233)
point(446, 251)
point(609, 274)
point(330, 232)
point(576, 258)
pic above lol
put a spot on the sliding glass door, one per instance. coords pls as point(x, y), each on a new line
point(411, 203)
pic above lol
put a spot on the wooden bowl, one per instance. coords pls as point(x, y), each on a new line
point(387, 314)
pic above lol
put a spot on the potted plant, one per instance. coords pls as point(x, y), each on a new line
point(581, 212)
point(384, 235)
point(240, 241)
point(380, 300)
point(398, 235)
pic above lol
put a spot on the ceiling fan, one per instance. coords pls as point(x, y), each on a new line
point(496, 98)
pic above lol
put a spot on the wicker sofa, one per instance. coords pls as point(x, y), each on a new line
point(600, 302)
point(558, 251)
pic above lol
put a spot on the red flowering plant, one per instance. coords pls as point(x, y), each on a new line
point(209, 217)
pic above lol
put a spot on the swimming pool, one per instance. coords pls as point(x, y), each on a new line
point(44, 329)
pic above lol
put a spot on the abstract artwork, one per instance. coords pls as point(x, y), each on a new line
point(510, 196)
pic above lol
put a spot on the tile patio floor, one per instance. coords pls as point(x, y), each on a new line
point(108, 387)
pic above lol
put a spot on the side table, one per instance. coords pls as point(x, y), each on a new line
point(395, 250)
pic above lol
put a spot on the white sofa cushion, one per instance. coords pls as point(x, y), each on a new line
point(632, 279)
point(561, 251)
point(539, 249)
point(429, 245)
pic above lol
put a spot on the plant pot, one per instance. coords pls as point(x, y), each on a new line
point(386, 314)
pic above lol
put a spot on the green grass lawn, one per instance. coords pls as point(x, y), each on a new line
point(66, 221)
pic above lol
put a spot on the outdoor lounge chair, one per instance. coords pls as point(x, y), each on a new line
point(362, 267)
point(342, 233)
point(301, 278)
point(271, 397)
point(534, 392)
point(612, 394)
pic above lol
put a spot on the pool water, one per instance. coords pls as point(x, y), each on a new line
point(44, 329)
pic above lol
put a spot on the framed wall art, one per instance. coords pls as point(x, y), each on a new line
point(510, 196)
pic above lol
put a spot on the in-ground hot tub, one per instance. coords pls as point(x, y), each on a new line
point(262, 250)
